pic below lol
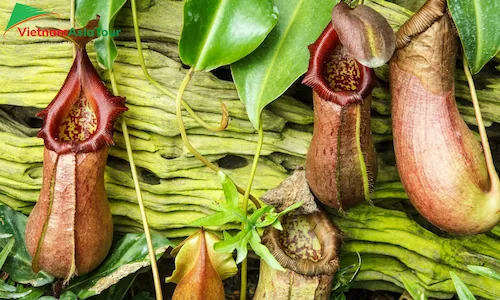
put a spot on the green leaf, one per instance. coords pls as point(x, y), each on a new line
point(220, 32)
point(462, 291)
point(413, 289)
point(105, 46)
point(18, 262)
point(479, 29)
point(263, 252)
point(217, 219)
point(13, 295)
point(484, 271)
point(230, 191)
point(6, 251)
point(128, 256)
point(230, 211)
point(272, 218)
point(35, 293)
point(68, 296)
point(283, 57)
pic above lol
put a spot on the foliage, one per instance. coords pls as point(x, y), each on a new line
point(105, 46)
point(217, 33)
point(479, 30)
point(128, 256)
point(462, 291)
point(340, 284)
point(413, 289)
point(231, 212)
point(18, 262)
point(484, 271)
point(266, 73)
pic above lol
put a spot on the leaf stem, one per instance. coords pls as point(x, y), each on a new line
point(495, 181)
point(182, 129)
point(152, 256)
point(244, 264)
point(225, 113)
point(72, 7)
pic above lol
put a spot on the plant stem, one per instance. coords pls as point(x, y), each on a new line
point(72, 21)
point(182, 129)
point(225, 114)
point(244, 264)
point(495, 181)
point(152, 256)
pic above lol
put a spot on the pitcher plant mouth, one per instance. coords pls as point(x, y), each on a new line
point(308, 245)
point(334, 74)
point(81, 116)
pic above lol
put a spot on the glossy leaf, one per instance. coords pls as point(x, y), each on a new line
point(68, 296)
point(479, 29)
point(12, 294)
point(128, 256)
point(283, 57)
point(219, 32)
point(484, 271)
point(87, 10)
point(462, 291)
point(18, 262)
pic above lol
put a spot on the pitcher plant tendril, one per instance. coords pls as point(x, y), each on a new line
point(135, 178)
point(225, 114)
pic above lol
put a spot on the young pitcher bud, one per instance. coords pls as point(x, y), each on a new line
point(70, 230)
point(199, 270)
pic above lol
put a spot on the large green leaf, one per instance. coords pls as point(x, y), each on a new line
point(220, 32)
point(128, 256)
point(479, 29)
point(267, 72)
point(87, 10)
point(18, 262)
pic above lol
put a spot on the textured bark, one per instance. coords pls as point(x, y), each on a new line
point(440, 161)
